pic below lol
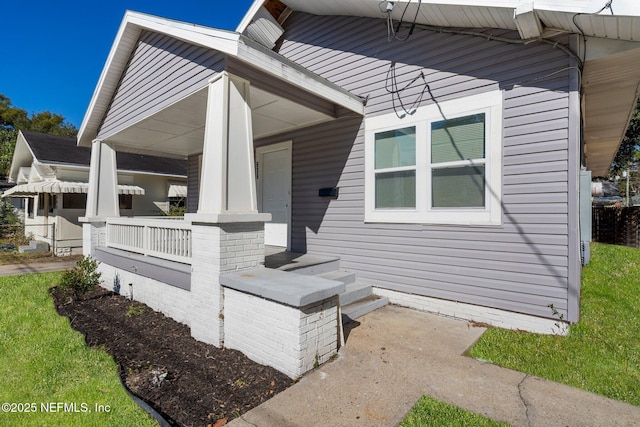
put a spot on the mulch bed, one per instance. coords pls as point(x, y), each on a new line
point(188, 382)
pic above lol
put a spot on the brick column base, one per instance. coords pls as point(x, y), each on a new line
point(232, 244)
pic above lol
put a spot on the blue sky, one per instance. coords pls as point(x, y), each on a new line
point(54, 51)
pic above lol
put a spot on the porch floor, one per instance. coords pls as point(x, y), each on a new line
point(278, 258)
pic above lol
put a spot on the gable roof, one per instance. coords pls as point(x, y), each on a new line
point(62, 150)
point(227, 42)
point(56, 149)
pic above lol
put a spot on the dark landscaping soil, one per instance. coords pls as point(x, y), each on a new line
point(188, 382)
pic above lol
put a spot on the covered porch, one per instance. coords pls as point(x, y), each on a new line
point(201, 269)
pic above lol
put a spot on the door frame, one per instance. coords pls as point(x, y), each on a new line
point(259, 156)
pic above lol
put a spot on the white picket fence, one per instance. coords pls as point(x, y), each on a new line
point(166, 237)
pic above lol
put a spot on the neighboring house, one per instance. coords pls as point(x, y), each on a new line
point(440, 160)
point(606, 193)
point(51, 174)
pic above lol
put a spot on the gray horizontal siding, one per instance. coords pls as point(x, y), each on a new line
point(193, 183)
point(161, 71)
point(521, 265)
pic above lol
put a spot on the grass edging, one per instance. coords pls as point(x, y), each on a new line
point(601, 353)
point(431, 412)
point(48, 374)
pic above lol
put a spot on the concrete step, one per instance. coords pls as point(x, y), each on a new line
point(358, 309)
point(34, 247)
point(355, 292)
point(344, 276)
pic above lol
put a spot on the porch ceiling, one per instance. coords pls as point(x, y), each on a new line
point(610, 89)
point(178, 130)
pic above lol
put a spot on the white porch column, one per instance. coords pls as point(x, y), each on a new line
point(227, 184)
point(227, 230)
point(102, 198)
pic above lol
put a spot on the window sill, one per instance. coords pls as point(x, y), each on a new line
point(457, 218)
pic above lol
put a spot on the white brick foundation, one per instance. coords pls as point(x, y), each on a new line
point(490, 316)
point(169, 300)
point(292, 340)
point(219, 248)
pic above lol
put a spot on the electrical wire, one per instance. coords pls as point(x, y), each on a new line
point(391, 83)
point(393, 33)
point(608, 5)
point(551, 74)
point(397, 93)
point(555, 44)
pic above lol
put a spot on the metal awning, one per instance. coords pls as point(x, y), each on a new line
point(63, 187)
point(177, 189)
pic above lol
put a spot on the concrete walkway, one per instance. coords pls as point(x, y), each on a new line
point(396, 355)
point(35, 267)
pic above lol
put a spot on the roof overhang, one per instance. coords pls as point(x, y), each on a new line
point(611, 74)
point(530, 18)
point(178, 129)
point(22, 157)
point(610, 87)
point(229, 43)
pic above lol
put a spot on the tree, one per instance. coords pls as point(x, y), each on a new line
point(14, 119)
point(625, 164)
point(7, 144)
point(9, 222)
point(629, 152)
point(11, 117)
point(54, 124)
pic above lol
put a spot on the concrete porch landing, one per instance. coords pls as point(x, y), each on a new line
point(396, 355)
point(277, 258)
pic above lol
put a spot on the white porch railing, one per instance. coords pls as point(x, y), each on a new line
point(165, 237)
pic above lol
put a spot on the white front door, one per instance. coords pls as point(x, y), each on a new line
point(273, 174)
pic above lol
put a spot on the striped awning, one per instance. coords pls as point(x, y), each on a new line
point(177, 189)
point(63, 187)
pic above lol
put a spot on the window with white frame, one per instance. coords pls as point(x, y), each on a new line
point(440, 165)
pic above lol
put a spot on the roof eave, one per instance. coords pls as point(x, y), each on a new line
point(20, 141)
point(230, 43)
point(248, 17)
point(275, 64)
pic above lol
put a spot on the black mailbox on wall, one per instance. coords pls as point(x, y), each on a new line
point(329, 192)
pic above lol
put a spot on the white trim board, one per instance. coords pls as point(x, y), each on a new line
point(491, 316)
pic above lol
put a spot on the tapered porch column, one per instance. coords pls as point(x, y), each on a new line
point(228, 183)
point(227, 230)
point(102, 198)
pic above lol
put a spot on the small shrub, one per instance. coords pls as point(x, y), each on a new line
point(82, 278)
point(177, 210)
point(134, 310)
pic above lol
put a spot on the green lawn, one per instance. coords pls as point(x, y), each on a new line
point(46, 366)
point(431, 412)
point(601, 354)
